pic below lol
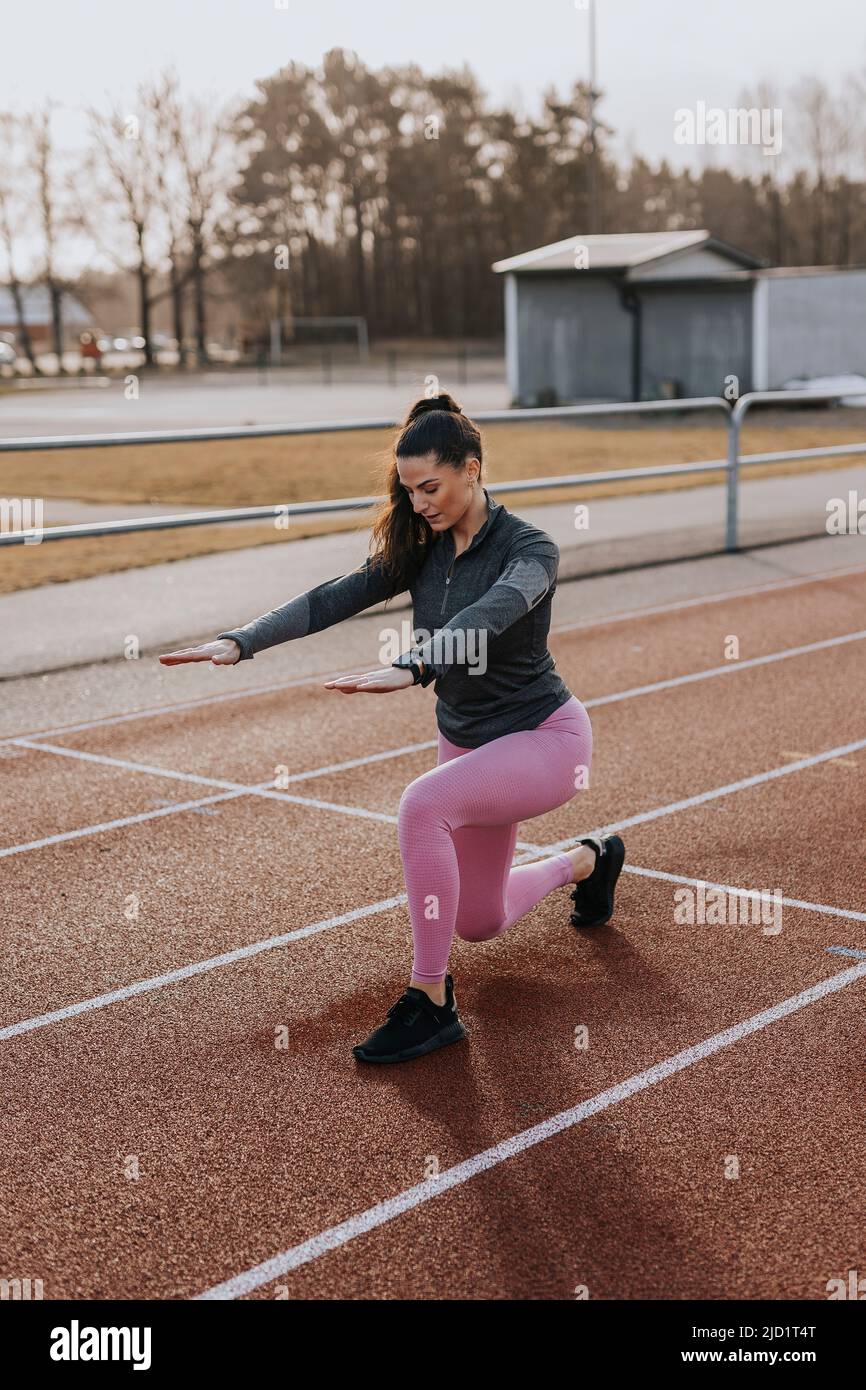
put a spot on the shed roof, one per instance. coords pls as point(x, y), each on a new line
point(622, 251)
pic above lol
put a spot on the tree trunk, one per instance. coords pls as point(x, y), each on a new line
point(21, 325)
point(315, 277)
point(818, 223)
point(177, 308)
point(199, 304)
point(778, 226)
point(56, 294)
point(424, 288)
point(360, 268)
point(843, 229)
point(144, 301)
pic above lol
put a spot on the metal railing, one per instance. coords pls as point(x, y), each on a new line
point(731, 464)
point(734, 460)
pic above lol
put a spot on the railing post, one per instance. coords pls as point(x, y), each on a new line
point(733, 478)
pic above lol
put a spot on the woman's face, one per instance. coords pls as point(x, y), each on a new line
point(438, 492)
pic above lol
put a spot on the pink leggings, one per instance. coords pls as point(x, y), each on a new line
point(457, 829)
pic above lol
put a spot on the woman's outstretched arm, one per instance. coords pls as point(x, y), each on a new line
point(318, 608)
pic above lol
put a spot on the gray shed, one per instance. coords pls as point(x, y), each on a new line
point(638, 316)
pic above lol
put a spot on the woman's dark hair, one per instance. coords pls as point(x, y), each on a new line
point(434, 425)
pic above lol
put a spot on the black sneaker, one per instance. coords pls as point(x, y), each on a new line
point(415, 1026)
point(593, 896)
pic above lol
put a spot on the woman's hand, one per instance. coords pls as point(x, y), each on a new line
point(223, 652)
point(374, 682)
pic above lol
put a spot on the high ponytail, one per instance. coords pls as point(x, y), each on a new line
point(428, 403)
point(401, 538)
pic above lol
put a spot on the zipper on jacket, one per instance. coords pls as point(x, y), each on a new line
point(448, 575)
point(448, 581)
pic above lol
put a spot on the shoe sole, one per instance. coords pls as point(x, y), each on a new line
point(453, 1033)
point(615, 854)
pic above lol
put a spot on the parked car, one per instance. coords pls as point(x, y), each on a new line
point(132, 342)
point(851, 388)
point(162, 342)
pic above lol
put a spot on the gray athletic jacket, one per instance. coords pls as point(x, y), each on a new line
point(480, 630)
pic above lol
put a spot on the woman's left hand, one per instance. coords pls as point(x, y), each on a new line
point(377, 682)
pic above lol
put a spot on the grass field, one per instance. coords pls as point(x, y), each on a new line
point(319, 467)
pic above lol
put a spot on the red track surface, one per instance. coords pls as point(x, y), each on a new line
point(246, 1150)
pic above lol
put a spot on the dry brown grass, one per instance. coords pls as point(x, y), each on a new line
point(319, 467)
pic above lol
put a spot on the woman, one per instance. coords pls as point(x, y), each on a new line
point(513, 740)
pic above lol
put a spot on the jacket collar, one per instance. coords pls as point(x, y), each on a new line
point(494, 511)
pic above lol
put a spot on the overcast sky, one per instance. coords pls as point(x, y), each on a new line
point(654, 56)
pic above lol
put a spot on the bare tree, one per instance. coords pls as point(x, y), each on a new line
point(162, 100)
point(12, 213)
point(850, 131)
point(206, 156)
point(824, 132)
point(124, 152)
point(764, 167)
point(51, 218)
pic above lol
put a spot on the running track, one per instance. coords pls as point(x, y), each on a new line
point(189, 952)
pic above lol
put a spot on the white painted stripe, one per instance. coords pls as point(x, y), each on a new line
point(191, 805)
point(63, 835)
point(849, 914)
point(701, 797)
point(180, 707)
point(676, 605)
point(536, 852)
point(365, 761)
point(726, 670)
point(113, 824)
point(413, 1197)
point(261, 789)
point(60, 837)
point(235, 789)
point(105, 760)
point(199, 967)
point(266, 790)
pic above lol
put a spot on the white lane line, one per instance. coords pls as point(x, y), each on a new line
point(186, 972)
point(820, 577)
point(262, 789)
point(105, 760)
point(728, 669)
point(265, 789)
point(413, 1197)
point(536, 852)
point(363, 762)
point(701, 797)
point(849, 914)
point(181, 706)
point(62, 836)
point(114, 824)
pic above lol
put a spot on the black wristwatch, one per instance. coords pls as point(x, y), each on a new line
point(408, 662)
